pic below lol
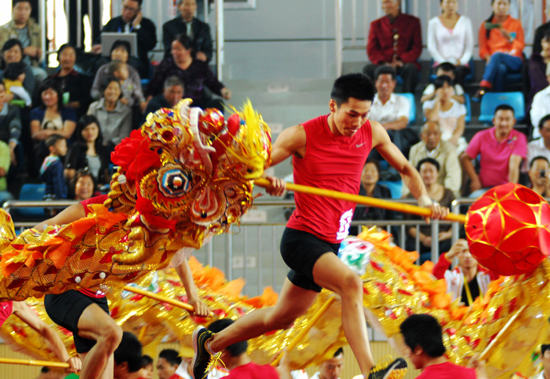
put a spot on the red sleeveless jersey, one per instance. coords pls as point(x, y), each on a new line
point(6, 308)
point(330, 162)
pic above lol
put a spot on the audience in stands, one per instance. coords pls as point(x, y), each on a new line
point(541, 105)
point(132, 21)
point(51, 171)
point(83, 186)
point(74, 85)
point(501, 44)
point(132, 95)
point(147, 367)
point(188, 25)
point(370, 187)
point(540, 146)
point(12, 52)
point(451, 39)
point(545, 360)
point(476, 277)
point(395, 40)
point(195, 75)
point(10, 123)
point(501, 150)
point(25, 29)
point(88, 151)
point(168, 363)
point(432, 146)
point(51, 117)
point(115, 118)
point(171, 95)
point(391, 110)
point(14, 76)
point(449, 113)
point(429, 171)
point(120, 51)
point(5, 162)
point(539, 175)
point(447, 69)
point(541, 31)
point(538, 78)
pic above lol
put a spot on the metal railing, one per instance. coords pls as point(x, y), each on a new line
point(251, 249)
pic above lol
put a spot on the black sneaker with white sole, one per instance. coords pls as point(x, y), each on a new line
point(202, 358)
point(389, 370)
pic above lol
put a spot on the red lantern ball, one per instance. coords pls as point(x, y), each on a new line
point(508, 229)
point(211, 122)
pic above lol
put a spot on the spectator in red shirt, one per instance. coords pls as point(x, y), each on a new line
point(168, 363)
point(395, 40)
point(128, 358)
point(468, 271)
point(424, 339)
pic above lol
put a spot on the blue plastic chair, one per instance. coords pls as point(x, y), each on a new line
point(394, 187)
point(467, 79)
point(412, 102)
point(491, 100)
point(468, 106)
point(34, 192)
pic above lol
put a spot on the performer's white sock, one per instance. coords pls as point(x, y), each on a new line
point(209, 349)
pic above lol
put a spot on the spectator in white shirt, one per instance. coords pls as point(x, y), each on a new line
point(541, 105)
point(538, 175)
point(447, 112)
point(448, 69)
point(389, 109)
point(545, 359)
point(541, 146)
point(451, 39)
point(331, 368)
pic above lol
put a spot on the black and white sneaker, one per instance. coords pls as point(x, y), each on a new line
point(389, 370)
point(203, 360)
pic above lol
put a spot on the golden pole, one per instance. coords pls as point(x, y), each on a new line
point(306, 329)
point(175, 303)
point(370, 201)
point(34, 363)
point(502, 331)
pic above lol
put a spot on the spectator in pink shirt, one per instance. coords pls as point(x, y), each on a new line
point(501, 150)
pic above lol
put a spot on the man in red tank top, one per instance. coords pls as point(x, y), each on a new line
point(423, 337)
point(327, 152)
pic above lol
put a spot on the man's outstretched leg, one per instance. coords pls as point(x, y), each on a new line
point(331, 273)
point(293, 302)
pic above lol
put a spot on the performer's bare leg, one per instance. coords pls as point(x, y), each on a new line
point(331, 273)
point(97, 325)
point(292, 303)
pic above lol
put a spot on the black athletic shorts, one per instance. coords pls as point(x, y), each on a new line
point(300, 250)
point(65, 310)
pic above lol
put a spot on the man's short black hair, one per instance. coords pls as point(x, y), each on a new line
point(441, 80)
point(358, 86)
point(536, 159)
point(15, 2)
point(543, 121)
point(505, 107)
point(146, 361)
point(543, 348)
point(385, 70)
point(137, 1)
point(428, 160)
point(423, 330)
point(45, 370)
point(171, 356)
point(236, 349)
point(446, 66)
point(129, 351)
point(338, 352)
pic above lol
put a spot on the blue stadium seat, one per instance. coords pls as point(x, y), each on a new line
point(491, 100)
point(468, 78)
point(394, 187)
point(468, 106)
point(412, 101)
point(33, 192)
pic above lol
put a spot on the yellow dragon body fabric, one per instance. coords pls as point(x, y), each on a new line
point(185, 176)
